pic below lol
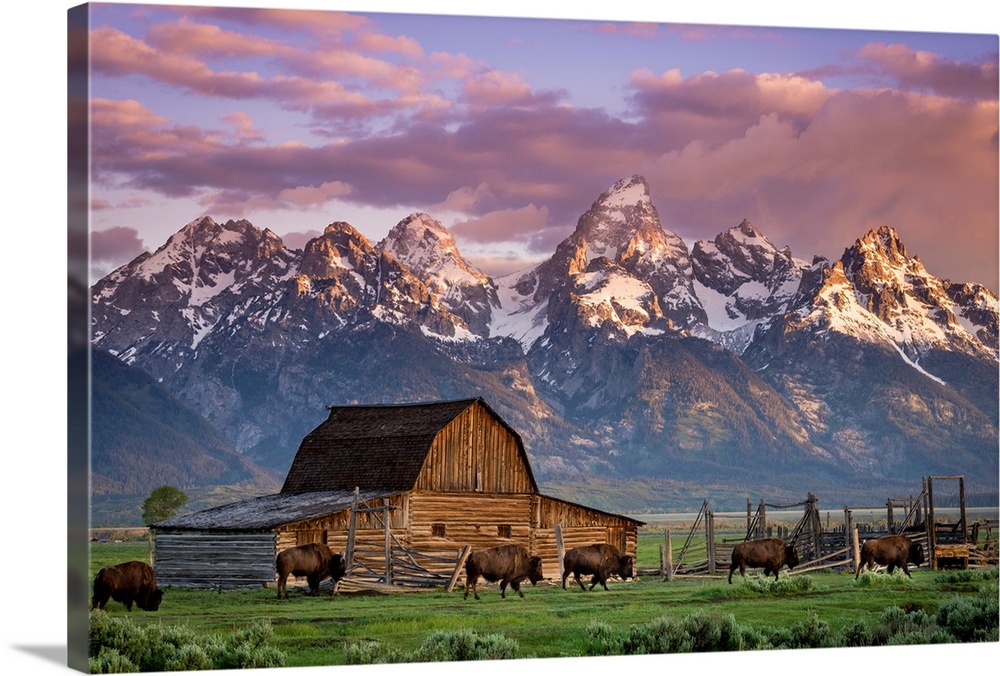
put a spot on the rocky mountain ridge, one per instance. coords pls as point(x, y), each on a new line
point(623, 354)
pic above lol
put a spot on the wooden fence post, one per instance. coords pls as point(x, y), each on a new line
point(388, 543)
point(663, 563)
point(559, 549)
point(670, 557)
point(857, 552)
point(710, 541)
point(352, 524)
point(762, 524)
point(847, 526)
point(458, 568)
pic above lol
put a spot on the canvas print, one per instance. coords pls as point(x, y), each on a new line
point(404, 338)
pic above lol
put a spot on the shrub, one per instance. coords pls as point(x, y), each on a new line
point(110, 661)
point(371, 652)
point(871, 579)
point(699, 632)
point(973, 619)
point(464, 645)
point(662, 635)
point(118, 644)
point(968, 575)
point(189, 658)
point(755, 585)
point(810, 633)
point(602, 639)
point(440, 646)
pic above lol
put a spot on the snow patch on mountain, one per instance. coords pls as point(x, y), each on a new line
point(518, 316)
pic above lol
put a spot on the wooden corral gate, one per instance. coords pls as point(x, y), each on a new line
point(394, 567)
point(838, 547)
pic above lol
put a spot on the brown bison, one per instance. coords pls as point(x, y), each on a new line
point(508, 563)
point(129, 582)
point(770, 554)
point(313, 561)
point(894, 551)
point(600, 560)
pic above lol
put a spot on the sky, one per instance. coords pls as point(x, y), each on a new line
point(506, 129)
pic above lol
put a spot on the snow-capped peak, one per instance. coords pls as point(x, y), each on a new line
point(429, 250)
point(884, 295)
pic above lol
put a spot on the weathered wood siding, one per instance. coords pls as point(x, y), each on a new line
point(475, 519)
point(332, 529)
point(477, 453)
point(581, 526)
point(214, 560)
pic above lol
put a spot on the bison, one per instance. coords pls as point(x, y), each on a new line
point(129, 582)
point(508, 563)
point(894, 551)
point(313, 561)
point(600, 560)
point(770, 554)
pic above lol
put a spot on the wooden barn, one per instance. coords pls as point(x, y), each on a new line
point(402, 490)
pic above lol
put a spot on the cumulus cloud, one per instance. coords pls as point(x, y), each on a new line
point(810, 164)
point(507, 225)
point(925, 71)
point(298, 239)
point(315, 197)
point(112, 248)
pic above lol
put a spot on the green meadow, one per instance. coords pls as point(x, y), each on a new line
point(646, 615)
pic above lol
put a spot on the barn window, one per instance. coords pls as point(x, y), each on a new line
point(438, 530)
point(503, 531)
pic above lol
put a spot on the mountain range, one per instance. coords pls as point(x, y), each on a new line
point(625, 355)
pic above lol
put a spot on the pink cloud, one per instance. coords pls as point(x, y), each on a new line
point(298, 240)
point(315, 196)
point(322, 23)
point(507, 225)
point(734, 95)
point(187, 37)
point(115, 245)
point(855, 166)
point(115, 53)
point(927, 71)
point(494, 88)
point(243, 127)
point(379, 43)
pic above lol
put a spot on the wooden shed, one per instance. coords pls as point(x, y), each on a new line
point(423, 480)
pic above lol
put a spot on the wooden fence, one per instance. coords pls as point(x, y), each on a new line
point(837, 546)
point(395, 567)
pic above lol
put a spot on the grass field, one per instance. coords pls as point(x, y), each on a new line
point(548, 622)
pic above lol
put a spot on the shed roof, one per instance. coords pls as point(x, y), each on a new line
point(379, 445)
point(269, 511)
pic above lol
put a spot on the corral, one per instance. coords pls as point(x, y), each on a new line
point(403, 490)
point(948, 544)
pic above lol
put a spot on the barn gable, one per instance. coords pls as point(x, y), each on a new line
point(429, 446)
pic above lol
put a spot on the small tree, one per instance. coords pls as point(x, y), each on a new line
point(162, 504)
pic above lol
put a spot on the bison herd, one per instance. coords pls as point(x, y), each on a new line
point(134, 582)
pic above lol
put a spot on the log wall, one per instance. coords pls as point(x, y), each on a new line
point(442, 524)
point(214, 560)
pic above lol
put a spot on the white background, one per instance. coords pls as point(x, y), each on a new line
point(33, 112)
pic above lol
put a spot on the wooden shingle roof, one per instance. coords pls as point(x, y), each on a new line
point(267, 512)
point(376, 447)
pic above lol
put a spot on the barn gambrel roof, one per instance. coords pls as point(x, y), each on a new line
point(381, 446)
point(269, 511)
